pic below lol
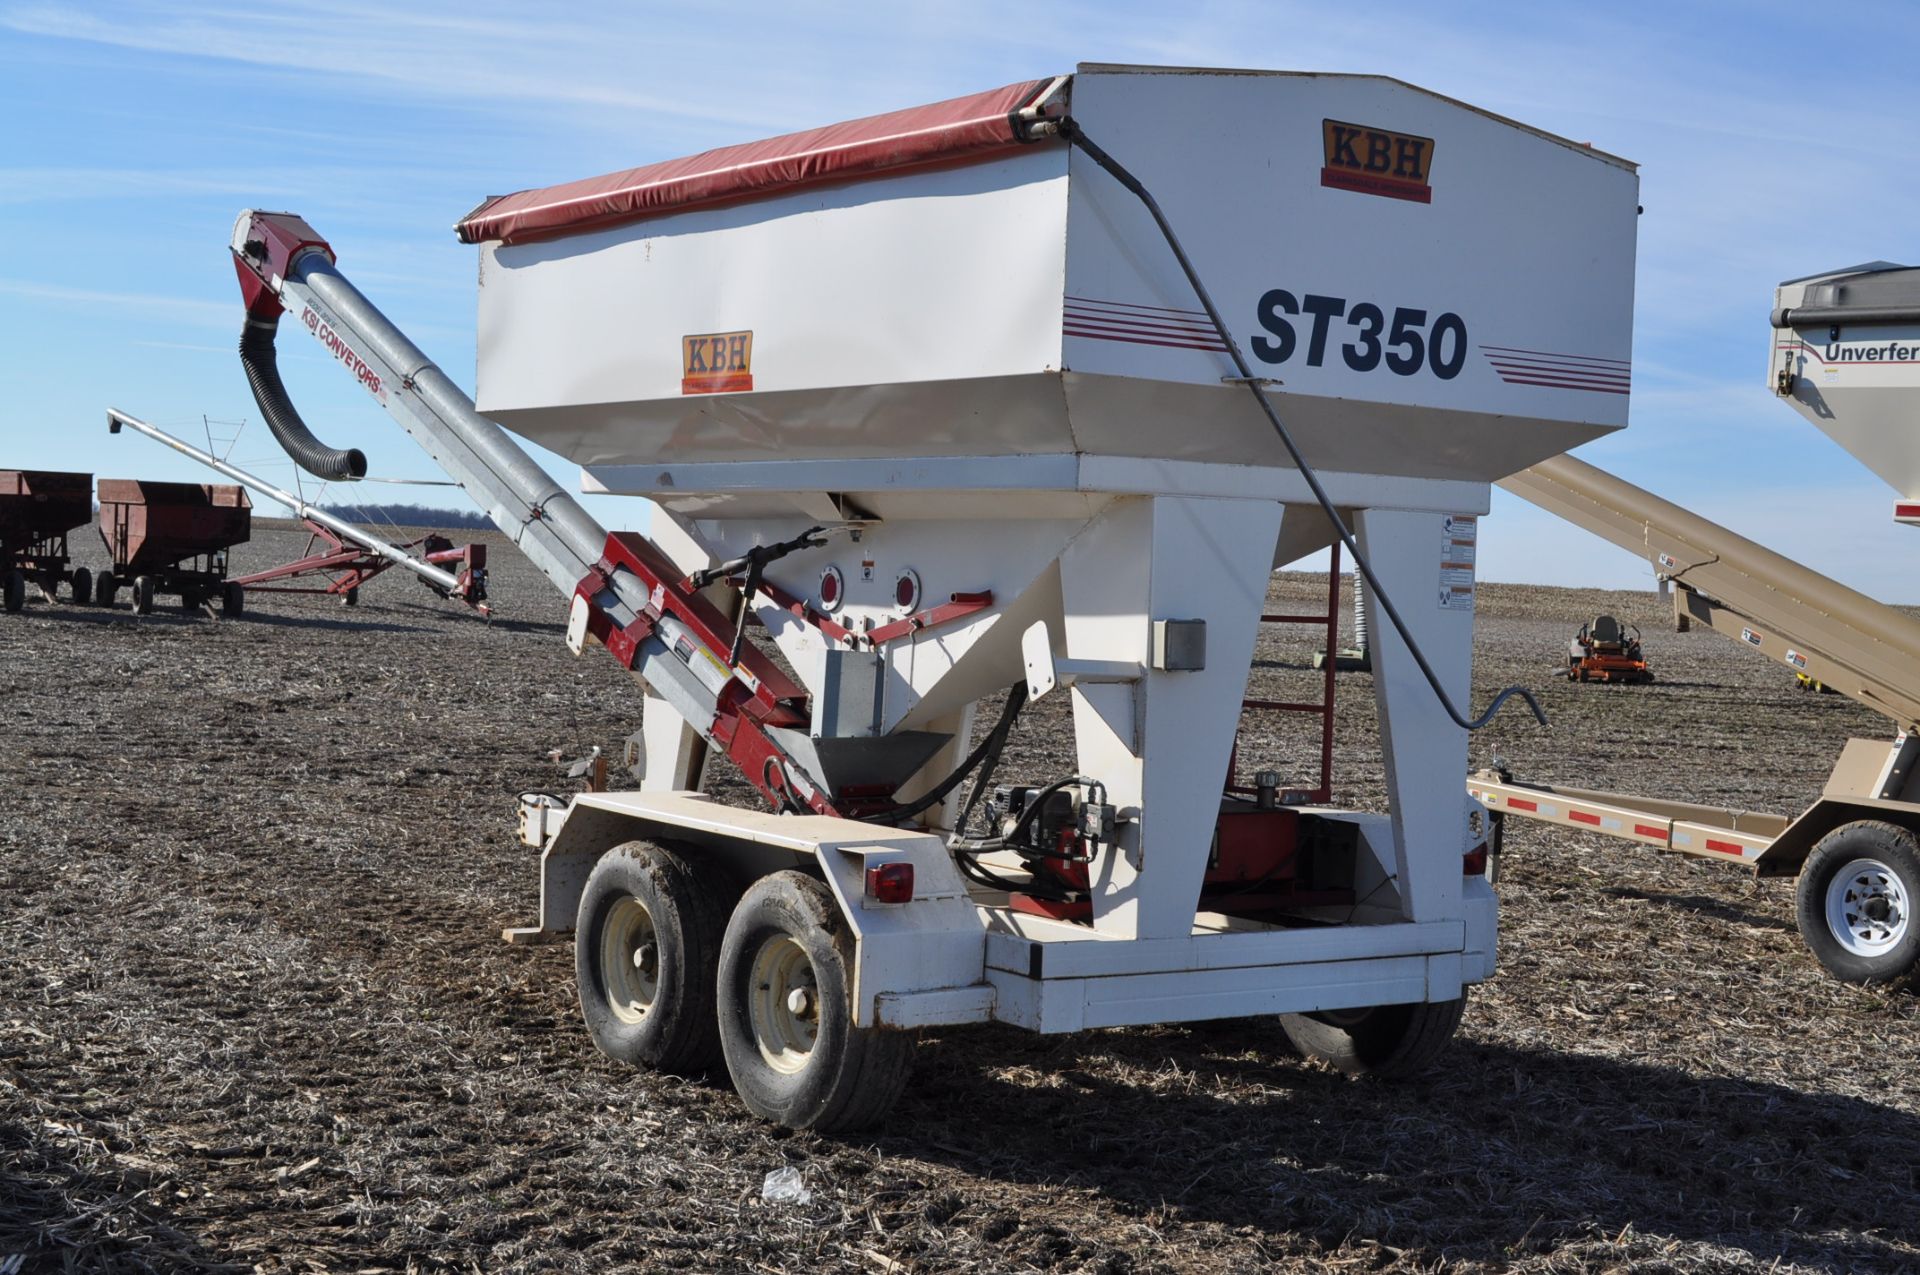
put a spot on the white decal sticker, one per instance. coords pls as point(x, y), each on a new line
point(1459, 539)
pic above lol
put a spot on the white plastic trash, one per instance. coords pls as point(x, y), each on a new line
point(785, 1186)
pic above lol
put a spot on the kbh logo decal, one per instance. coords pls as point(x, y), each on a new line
point(1376, 161)
point(716, 363)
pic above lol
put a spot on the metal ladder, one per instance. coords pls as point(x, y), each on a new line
point(1330, 622)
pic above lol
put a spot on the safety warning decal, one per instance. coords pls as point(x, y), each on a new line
point(1459, 538)
point(716, 363)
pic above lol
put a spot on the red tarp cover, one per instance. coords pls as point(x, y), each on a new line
point(944, 131)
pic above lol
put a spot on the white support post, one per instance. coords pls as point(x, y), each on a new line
point(1160, 744)
point(674, 751)
point(1424, 751)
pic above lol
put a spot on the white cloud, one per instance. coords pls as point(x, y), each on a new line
point(55, 183)
point(416, 54)
point(180, 309)
point(226, 350)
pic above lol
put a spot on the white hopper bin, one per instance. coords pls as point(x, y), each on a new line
point(1466, 319)
point(1846, 355)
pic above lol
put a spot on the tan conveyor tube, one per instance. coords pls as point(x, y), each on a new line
point(1859, 647)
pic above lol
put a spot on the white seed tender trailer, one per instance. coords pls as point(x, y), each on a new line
point(1846, 355)
point(940, 398)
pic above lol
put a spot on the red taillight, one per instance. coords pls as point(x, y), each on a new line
point(1474, 862)
point(890, 883)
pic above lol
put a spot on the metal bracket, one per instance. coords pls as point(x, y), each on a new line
point(1892, 780)
point(577, 617)
point(956, 606)
point(1044, 673)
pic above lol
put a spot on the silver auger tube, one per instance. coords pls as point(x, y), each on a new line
point(312, 513)
point(534, 511)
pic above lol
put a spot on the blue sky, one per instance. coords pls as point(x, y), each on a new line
point(1774, 141)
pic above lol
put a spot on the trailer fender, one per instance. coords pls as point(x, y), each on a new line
point(915, 964)
point(590, 826)
point(1791, 848)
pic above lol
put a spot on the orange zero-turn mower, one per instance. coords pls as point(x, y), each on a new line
point(1605, 650)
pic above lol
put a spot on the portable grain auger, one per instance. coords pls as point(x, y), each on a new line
point(1844, 351)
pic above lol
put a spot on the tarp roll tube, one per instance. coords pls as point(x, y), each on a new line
point(263, 375)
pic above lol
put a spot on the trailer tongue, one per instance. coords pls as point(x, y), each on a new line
point(940, 400)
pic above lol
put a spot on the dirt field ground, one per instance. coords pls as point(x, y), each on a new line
point(255, 1013)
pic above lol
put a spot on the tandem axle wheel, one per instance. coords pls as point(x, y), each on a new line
point(672, 978)
point(668, 981)
point(786, 1013)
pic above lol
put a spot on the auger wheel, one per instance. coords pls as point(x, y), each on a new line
point(1855, 902)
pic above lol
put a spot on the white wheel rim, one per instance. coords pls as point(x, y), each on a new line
point(1868, 911)
point(630, 959)
point(783, 1004)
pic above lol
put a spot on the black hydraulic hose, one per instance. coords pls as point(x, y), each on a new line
point(1070, 130)
point(991, 745)
point(263, 375)
point(1034, 802)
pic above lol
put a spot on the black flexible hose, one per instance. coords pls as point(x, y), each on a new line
point(263, 375)
point(1070, 130)
point(994, 741)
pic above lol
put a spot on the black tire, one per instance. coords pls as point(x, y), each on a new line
point(669, 1025)
point(104, 589)
point(14, 590)
point(1855, 902)
point(143, 595)
point(81, 582)
point(233, 600)
point(844, 1077)
point(351, 598)
point(1387, 1040)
